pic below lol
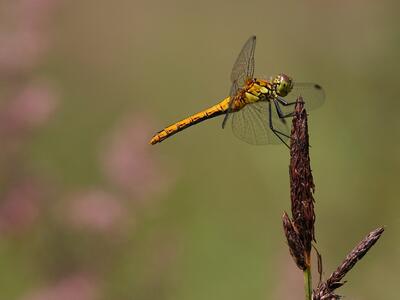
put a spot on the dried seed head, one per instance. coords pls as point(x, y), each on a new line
point(295, 244)
point(326, 289)
point(301, 180)
point(353, 257)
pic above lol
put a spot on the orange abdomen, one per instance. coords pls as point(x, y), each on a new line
point(209, 113)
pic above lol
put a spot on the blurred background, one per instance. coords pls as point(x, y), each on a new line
point(89, 210)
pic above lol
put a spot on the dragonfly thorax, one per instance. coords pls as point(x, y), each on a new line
point(282, 84)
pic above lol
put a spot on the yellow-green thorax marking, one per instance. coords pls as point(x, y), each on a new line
point(256, 90)
point(263, 90)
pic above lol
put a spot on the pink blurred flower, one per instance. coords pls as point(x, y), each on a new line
point(75, 287)
point(127, 159)
point(31, 108)
point(19, 207)
point(95, 210)
point(23, 36)
point(35, 13)
point(20, 51)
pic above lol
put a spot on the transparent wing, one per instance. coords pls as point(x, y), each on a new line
point(243, 69)
point(312, 93)
point(244, 65)
point(251, 124)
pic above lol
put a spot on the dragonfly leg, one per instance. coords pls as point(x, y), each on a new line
point(227, 114)
point(271, 126)
point(225, 119)
point(281, 115)
point(284, 102)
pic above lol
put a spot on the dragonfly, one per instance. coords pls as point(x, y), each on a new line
point(256, 108)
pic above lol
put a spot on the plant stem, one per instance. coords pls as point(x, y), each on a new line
point(308, 283)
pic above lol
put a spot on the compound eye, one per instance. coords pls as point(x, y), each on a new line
point(283, 85)
point(283, 88)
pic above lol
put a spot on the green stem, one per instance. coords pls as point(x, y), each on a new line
point(308, 283)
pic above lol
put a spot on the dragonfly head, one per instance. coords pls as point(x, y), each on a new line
point(283, 84)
